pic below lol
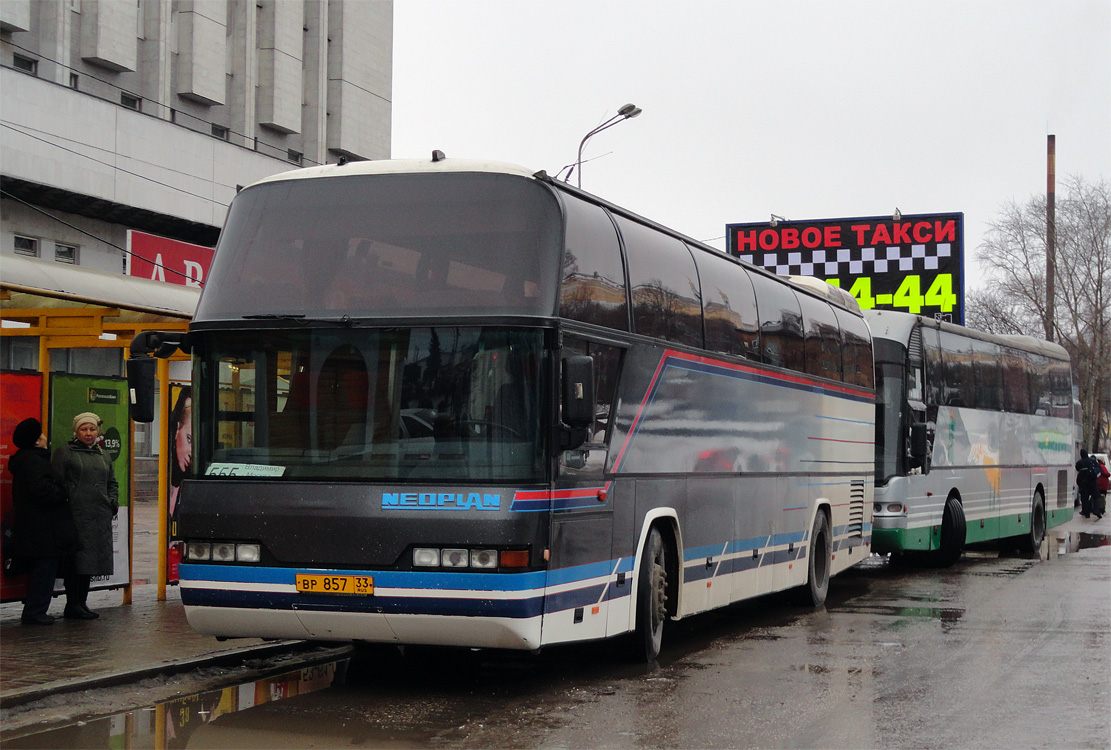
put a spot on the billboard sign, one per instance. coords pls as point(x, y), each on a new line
point(162, 259)
point(911, 263)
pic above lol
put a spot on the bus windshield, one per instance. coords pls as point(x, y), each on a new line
point(425, 404)
point(387, 245)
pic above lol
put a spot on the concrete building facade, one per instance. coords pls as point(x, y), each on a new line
point(148, 114)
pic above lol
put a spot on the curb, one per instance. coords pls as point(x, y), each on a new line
point(234, 657)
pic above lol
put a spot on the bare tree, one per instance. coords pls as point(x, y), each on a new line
point(1013, 258)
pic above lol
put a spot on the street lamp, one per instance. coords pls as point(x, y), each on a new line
point(627, 112)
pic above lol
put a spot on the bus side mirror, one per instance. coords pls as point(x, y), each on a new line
point(141, 372)
point(577, 373)
point(578, 391)
point(919, 442)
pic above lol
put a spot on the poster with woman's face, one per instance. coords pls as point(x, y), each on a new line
point(179, 427)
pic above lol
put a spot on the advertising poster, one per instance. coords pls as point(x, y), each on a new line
point(21, 394)
point(913, 264)
point(179, 426)
point(71, 395)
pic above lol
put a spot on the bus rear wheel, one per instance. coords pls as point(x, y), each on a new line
point(953, 530)
point(651, 604)
point(819, 562)
point(1032, 541)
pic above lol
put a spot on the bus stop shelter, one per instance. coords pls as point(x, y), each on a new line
point(58, 307)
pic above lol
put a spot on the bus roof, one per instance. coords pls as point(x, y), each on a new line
point(399, 166)
point(896, 326)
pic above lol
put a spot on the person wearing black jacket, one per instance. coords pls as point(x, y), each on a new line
point(44, 531)
point(1087, 469)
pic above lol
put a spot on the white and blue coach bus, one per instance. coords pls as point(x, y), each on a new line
point(460, 403)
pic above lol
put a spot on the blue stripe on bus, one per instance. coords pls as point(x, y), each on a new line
point(742, 545)
point(382, 578)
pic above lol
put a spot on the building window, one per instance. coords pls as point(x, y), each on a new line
point(28, 246)
point(65, 253)
point(295, 156)
point(26, 64)
point(220, 132)
point(73, 80)
point(130, 101)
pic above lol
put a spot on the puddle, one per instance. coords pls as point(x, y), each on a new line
point(1074, 541)
point(171, 724)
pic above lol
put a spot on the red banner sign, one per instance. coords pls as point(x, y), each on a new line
point(161, 259)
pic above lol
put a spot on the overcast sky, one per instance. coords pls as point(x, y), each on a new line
point(807, 110)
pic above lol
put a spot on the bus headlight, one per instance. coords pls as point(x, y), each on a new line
point(484, 558)
point(894, 507)
point(476, 559)
point(251, 553)
point(454, 558)
point(223, 552)
point(426, 558)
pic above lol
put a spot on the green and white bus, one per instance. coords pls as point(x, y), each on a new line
point(974, 437)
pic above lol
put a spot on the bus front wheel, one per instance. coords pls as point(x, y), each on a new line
point(819, 562)
point(651, 612)
point(953, 529)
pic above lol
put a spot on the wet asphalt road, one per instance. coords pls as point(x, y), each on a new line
point(999, 651)
point(996, 652)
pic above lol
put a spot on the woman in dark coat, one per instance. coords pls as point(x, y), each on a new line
point(44, 530)
point(85, 469)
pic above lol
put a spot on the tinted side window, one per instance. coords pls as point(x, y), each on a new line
point(1040, 395)
point(857, 351)
point(960, 383)
point(985, 364)
point(935, 372)
point(822, 338)
point(664, 285)
point(1016, 383)
point(593, 275)
point(781, 340)
point(1060, 386)
point(729, 303)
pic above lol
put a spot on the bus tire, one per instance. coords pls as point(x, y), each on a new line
point(819, 562)
point(953, 531)
point(1032, 541)
point(651, 612)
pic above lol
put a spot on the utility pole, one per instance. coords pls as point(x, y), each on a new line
point(1050, 235)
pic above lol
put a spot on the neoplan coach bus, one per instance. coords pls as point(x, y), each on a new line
point(974, 437)
point(459, 403)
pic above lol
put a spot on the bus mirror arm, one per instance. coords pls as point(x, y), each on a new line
point(142, 368)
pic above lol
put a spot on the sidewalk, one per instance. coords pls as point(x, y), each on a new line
point(128, 642)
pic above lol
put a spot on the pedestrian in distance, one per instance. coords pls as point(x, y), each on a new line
point(85, 469)
point(1087, 469)
point(1102, 483)
point(44, 532)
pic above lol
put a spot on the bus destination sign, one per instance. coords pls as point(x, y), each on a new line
point(912, 264)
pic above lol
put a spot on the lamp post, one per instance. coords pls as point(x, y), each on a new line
point(625, 113)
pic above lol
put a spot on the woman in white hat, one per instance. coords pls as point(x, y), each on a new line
point(85, 469)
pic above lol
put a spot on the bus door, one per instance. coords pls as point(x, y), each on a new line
point(584, 571)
